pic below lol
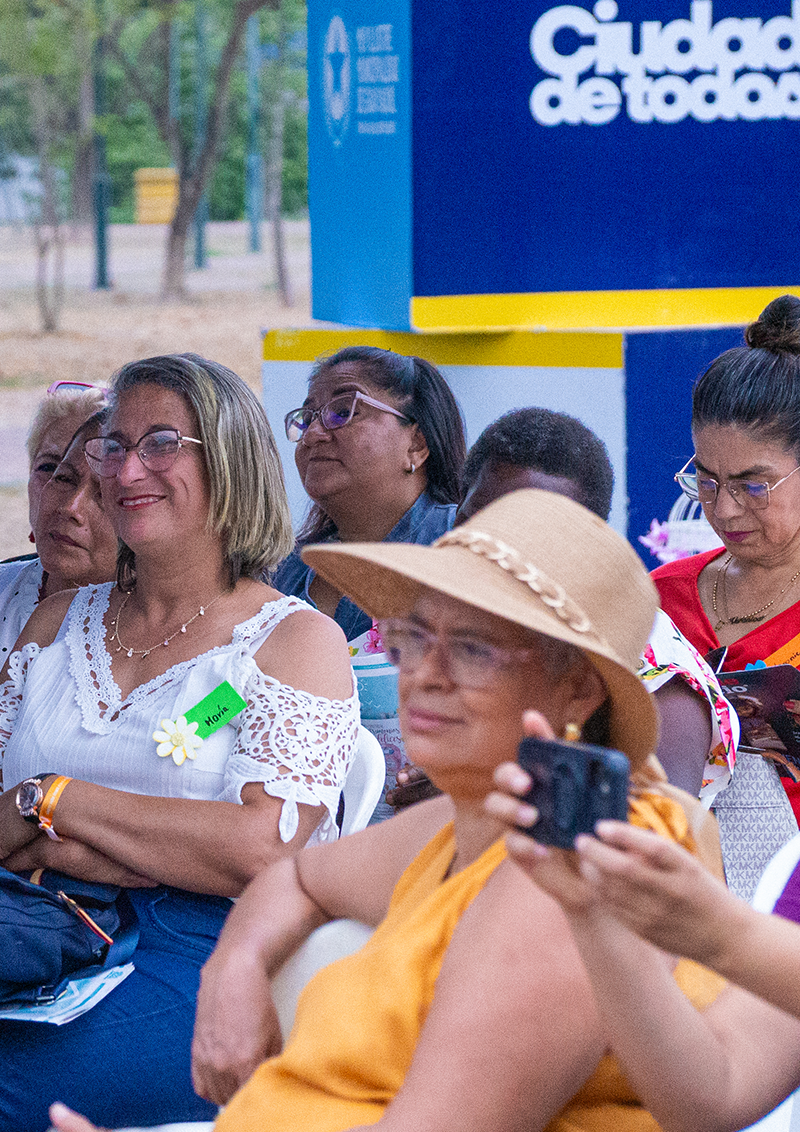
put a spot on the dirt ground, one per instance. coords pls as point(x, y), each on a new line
point(230, 302)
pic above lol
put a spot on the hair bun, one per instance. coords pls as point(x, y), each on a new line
point(777, 328)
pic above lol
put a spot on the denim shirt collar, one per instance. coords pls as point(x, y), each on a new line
point(423, 523)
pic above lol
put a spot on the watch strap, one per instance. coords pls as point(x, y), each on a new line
point(48, 804)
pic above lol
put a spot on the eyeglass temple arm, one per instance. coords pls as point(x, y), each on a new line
point(381, 405)
point(685, 466)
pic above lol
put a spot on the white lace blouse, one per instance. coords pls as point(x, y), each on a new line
point(61, 711)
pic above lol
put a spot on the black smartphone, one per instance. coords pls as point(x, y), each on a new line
point(574, 786)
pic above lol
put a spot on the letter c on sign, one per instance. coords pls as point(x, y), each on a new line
point(544, 31)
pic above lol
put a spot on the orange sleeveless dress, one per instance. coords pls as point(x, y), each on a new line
point(358, 1020)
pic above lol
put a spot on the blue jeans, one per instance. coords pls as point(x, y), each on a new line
point(127, 1061)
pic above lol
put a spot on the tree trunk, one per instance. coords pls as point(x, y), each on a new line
point(174, 278)
point(274, 192)
point(49, 275)
point(81, 211)
point(47, 227)
point(193, 186)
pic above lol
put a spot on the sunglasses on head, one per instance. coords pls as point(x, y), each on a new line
point(74, 387)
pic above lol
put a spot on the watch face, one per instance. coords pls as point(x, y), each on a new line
point(29, 795)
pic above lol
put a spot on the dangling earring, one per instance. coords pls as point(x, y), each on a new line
point(572, 733)
point(32, 538)
point(410, 471)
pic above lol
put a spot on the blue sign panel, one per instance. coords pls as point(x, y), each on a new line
point(607, 149)
point(359, 132)
point(660, 370)
point(577, 147)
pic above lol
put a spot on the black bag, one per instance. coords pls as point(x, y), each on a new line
point(59, 929)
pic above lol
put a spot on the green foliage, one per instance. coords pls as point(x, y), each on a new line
point(16, 133)
point(295, 162)
point(132, 143)
point(226, 199)
point(44, 49)
point(42, 39)
point(286, 78)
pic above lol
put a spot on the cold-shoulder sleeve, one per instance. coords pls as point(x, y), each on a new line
point(298, 745)
point(11, 694)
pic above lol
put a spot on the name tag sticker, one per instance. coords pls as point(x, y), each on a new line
point(216, 709)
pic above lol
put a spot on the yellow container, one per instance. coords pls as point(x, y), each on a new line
point(156, 195)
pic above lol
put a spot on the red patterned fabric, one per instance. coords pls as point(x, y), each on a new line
point(677, 587)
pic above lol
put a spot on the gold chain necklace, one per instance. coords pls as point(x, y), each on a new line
point(161, 644)
point(757, 614)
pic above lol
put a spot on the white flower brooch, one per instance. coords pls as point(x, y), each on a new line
point(177, 739)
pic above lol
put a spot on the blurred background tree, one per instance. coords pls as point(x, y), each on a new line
point(156, 86)
point(44, 55)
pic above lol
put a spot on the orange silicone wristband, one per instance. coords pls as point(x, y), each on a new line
point(49, 803)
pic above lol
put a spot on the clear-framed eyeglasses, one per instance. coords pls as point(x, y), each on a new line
point(470, 662)
point(158, 451)
point(336, 413)
point(747, 493)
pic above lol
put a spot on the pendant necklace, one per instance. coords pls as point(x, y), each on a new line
point(749, 618)
point(160, 644)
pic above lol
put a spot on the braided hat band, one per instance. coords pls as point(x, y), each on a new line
point(535, 559)
point(553, 595)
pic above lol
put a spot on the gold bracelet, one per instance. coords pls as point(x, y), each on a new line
point(49, 803)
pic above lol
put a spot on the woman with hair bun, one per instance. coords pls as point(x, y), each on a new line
point(746, 430)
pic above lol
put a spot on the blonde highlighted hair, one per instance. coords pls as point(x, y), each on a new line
point(248, 508)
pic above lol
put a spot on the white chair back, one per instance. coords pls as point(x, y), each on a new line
point(327, 944)
point(364, 783)
point(192, 1126)
point(776, 875)
point(786, 1117)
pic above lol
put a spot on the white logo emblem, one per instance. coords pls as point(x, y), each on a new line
point(336, 80)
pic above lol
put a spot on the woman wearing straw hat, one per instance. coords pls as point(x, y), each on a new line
point(469, 1005)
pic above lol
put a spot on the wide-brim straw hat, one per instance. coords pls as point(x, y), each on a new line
point(537, 559)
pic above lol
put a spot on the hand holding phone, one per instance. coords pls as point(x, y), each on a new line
point(574, 786)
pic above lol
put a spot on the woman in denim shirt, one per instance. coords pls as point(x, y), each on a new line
point(380, 447)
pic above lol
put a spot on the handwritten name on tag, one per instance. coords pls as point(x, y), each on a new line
point(216, 709)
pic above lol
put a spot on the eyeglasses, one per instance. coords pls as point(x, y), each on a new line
point(158, 451)
point(747, 493)
point(74, 387)
point(468, 661)
point(337, 413)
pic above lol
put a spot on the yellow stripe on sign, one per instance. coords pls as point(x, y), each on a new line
point(594, 310)
point(786, 654)
point(516, 348)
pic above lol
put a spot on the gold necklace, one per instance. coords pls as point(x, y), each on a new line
point(757, 614)
point(161, 644)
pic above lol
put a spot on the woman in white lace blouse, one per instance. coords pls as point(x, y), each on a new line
point(96, 747)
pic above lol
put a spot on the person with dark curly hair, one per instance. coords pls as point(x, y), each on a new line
point(537, 447)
